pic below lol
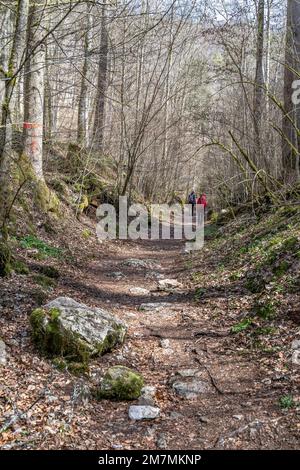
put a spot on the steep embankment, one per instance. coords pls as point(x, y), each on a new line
point(217, 347)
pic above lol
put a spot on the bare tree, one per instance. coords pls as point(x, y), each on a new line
point(82, 127)
point(98, 131)
point(34, 92)
point(291, 119)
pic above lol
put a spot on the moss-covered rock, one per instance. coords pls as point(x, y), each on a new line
point(75, 331)
point(120, 383)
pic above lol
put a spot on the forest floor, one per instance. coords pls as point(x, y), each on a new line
point(238, 387)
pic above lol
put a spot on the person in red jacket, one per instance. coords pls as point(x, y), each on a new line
point(203, 200)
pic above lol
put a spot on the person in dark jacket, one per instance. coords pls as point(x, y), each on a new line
point(192, 200)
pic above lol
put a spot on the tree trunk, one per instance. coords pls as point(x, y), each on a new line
point(259, 82)
point(7, 186)
point(82, 124)
point(98, 132)
point(33, 125)
point(291, 119)
point(34, 95)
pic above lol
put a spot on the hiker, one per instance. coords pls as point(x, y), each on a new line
point(202, 200)
point(192, 200)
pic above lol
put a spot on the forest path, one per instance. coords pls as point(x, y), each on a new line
point(219, 399)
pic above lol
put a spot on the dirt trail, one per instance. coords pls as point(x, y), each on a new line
point(226, 403)
point(210, 394)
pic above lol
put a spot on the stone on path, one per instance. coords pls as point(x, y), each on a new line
point(296, 357)
point(147, 396)
point(139, 291)
point(162, 441)
point(154, 275)
point(3, 358)
point(191, 389)
point(296, 344)
point(139, 263)
point(188, 383)
point(116, 275)
point(168, 284)
point(165, 343)
point(138, 412)
point(155, 306)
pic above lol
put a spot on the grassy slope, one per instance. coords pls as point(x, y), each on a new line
point(256, 260)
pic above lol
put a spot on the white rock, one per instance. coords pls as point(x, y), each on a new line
point(90, 326)
point(147, 396)
point(154, 275)
point(138, 263)
point(296, 357)
point(138, 412)
point(168, 351)
point(155, 306)
point(3, 358)
point(116, 275)
point(187, 372)
point(165, 343)
point(139, 291)
point(296, 344)
point(168, 284)
point(191, 389)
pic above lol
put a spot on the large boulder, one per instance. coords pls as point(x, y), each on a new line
point(64, 327)
point(120, 383)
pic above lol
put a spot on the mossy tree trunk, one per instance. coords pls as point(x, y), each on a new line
point(7, 157)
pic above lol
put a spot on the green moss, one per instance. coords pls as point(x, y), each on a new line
point(290, 244)
point(52, 340)
point(39, 296)
point(59, 186)
point(44, 281)
point(255, 283)
point(78, 368)
point(242, 325)
point(110, 340)
point(264, 331)
point(199, 293)
point(5, 259)
point(266, 309)
point(281, 268)
point(84, 203)
point(60, 363)
point(120, 383)
point(45, 250)
point(19, 267)
point(46, 199)
point(49, 271)
point(86, 233)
